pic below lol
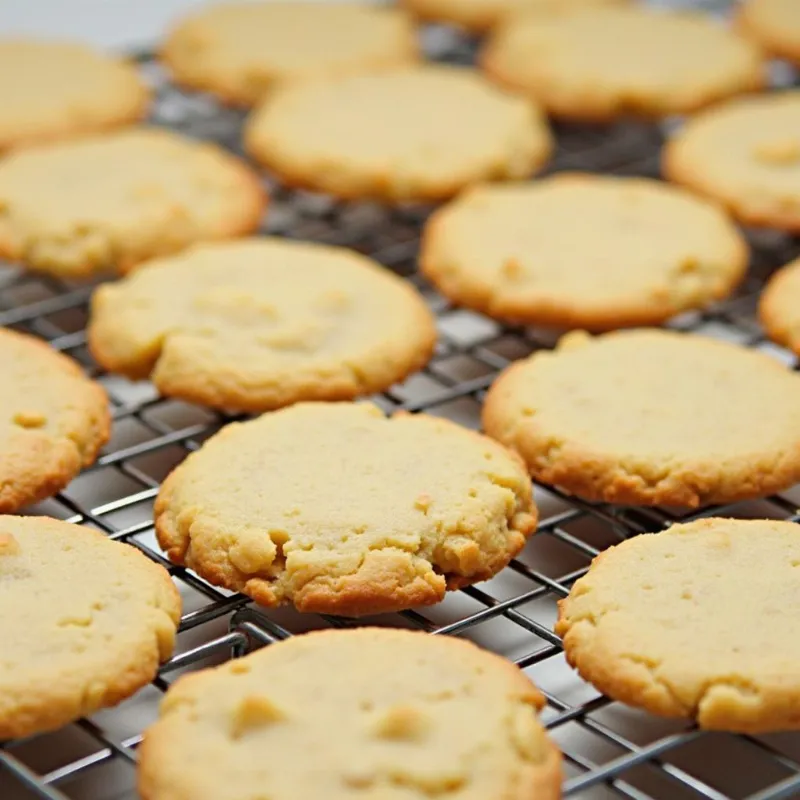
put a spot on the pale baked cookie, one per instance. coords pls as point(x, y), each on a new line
point(84, 623)
point(400, 713)
point(415, 134)
point(779, 307)
point(478, 16)
point(585, 251)
point(78, 207)
point(746, 155)
point(261, 323)
point(651, 417)
point(239, 51)
point(51, 89)
point(774, 24)
point(699, 621)
point(53, 420)
point(347, 512)
point(597, 64)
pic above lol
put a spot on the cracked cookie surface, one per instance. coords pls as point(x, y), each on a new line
point(348, 714)
point(51, 89)
point(413, 134)
point(109, 202)
point(240, 51)
point(699, 621)
point(261, 323)
point(580, 250)
point(598, 64)
point(745, 154)
point(338, 509)
point(779, 306)
point(651, 417)
point(53, 420)
point(84, 623)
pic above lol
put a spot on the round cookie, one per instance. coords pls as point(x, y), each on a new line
point(779, 307)
point(79, 207)
point(348, 512)
point(418, 716)
point(239, 51)
point(478, 16)
point(699, 621)
point(744, 154)
point(585, 251)
point(257, 324)
point(651, 417)
point(53, 420)
point(414, 134)
point(52, 89)
point(774, 24)
point(84, 621)
point(598, 64)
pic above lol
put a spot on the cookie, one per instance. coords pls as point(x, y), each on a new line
point(413, 134)
point(53, 420)
point(774, 24)
point(257, 324)
point(479, 16)
point(347, 512)
point(79, 207)
point(779, 307)
point(599, 64)
point(51, 90)
point(240, 51)
point(662, 622)
point(651, 417)
point(416, 716)
point(744, 154)
point(584, 251)
point(84, 623)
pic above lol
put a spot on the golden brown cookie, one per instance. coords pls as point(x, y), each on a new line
point(651, 417)
point(699, 621)
point(54, 420)
point(240, 51)
point(51, 90)
point(84, 622)
point(413, 134)
point(415, 716)
point(779, 307)
point(580, 250)
point(744, 154)
point(337, 509)
point(598, 64)
point(79, 207)
point(262, 323)
point(774, 24)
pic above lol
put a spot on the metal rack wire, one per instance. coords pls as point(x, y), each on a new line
point(610, 751)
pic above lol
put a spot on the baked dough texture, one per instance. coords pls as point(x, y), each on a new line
point(774, 24)
point(779, 307)
point(580, 250)
point(51, 90)
point(257, 324)
point(79, 207)
point(744, 154)
point(599, 64)
point(699, 621)
point(337, 509)
point(411, 134)
point(479, 16)
point(53, 420)
point(350, 714)
point(240, 51)
point(84, 622)
point(651, 417)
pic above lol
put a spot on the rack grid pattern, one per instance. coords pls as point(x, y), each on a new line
point(610, 751)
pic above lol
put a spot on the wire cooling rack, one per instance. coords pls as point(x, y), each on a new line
point(610, 751)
